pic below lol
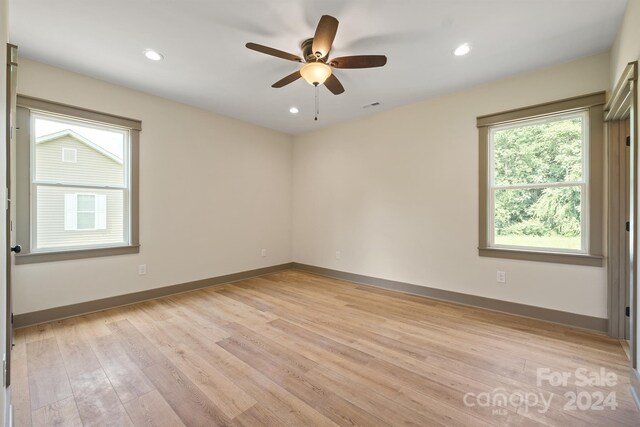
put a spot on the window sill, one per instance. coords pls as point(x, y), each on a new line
point(33, 258)
point(556, 257)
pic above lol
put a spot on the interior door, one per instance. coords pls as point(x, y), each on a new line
point(12, 69)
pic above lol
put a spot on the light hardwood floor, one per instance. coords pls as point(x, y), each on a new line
point(302, 350)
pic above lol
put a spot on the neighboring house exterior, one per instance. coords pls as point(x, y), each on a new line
point(68, 215)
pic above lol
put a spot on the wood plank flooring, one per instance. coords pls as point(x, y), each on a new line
point(302, 350)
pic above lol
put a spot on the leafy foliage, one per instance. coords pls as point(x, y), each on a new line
point(547, 152)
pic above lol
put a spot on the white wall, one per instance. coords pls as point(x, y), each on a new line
point(214, 191)
point(397, 194)
point(626, 47)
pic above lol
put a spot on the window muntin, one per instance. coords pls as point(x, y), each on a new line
point(538, 177)
point(81, 204)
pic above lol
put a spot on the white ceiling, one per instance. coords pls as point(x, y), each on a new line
point(207, 65)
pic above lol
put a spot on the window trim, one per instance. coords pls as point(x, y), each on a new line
point(594, 103)
point(23, 228)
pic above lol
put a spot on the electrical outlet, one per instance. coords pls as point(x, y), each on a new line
point(338, 254)
point(501, 277)
point(263, 253)
point(142, 269)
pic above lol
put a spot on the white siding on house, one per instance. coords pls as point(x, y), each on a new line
point(91, 167)
point(70, 211)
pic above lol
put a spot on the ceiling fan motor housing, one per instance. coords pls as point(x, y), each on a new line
point(308, 53)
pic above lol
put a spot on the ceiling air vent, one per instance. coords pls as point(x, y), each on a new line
point(373, 104)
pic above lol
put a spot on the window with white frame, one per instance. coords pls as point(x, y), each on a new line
point(85, 211)
point(541, 182)
point(80, 192)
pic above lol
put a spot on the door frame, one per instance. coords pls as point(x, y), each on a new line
point(622, 105)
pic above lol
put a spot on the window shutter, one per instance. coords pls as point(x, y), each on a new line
point(70, 211)
point(101, 212)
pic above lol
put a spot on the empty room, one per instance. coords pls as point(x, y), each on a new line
point(320, 213)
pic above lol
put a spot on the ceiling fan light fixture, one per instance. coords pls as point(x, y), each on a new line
point(315, 73)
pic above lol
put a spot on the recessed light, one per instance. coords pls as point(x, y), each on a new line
point(461, 50)
point(153, 55)
point(294, 110)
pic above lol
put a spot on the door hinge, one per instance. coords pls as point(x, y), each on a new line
point(627, 311)
point(629, 141)
point(627, 226)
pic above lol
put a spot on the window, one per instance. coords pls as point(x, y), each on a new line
point(69, 155)
point(538, 183)
point(85, 211)
point(85, 205)
point(541, 182)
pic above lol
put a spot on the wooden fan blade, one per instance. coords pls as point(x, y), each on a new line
point(273, 52)
point(289, 79)
point(325, 33)
point(333, 84)
point(359, 61)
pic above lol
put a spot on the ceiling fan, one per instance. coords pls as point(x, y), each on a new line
point(315, 55)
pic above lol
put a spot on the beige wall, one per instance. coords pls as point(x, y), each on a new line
point(397, 195)
point(213, 192)
point(626, 48)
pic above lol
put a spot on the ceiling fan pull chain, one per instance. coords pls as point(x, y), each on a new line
point(317, 102)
